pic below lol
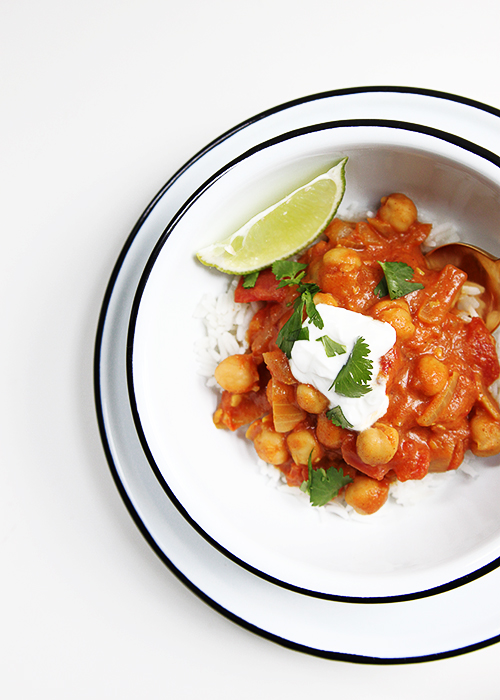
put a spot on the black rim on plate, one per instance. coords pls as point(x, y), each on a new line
point(462, 143)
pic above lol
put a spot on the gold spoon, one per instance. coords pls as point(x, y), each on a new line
point(481, 267)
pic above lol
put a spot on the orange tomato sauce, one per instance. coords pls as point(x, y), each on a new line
point(438, 371)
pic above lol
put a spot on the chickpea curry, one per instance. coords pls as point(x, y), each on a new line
point(437, 373)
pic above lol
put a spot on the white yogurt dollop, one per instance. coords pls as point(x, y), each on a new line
point(310, 364)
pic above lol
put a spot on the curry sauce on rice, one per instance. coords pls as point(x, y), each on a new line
point(362, 367)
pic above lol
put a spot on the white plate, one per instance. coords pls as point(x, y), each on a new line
point(461, 617)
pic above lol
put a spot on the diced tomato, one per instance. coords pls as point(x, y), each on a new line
point(237, 410)
point(482, 350)
point(411, 461)
point(351, 457)
point(265, 289)
point(295, 473)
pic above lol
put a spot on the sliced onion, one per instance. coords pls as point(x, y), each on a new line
point(286, 414)
point(439, 403)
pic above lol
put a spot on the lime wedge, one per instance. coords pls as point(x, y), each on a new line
point(281, 230)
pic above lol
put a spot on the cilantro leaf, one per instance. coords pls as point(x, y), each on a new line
point(292, 329)
point(307, 292)
point(336, 415)
point(332, 348)
point(287, 268)
point(288, 271)
point(353, 378)
point(396, 280)
point(309, 288)
point(381, 290)
point(250, 280)
point(324, 484)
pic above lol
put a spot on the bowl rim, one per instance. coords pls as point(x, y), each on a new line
point(453, 139)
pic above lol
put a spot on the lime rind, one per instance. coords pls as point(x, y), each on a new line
point(283, 229)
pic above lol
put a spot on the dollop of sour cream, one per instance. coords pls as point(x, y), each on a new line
point(310, 364)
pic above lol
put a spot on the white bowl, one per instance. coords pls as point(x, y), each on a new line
point(212, 476)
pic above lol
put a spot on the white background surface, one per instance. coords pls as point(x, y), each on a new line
point(101, 102)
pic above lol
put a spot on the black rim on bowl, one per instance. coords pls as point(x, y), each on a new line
point(450, 138)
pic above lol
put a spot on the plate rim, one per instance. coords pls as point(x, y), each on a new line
point(98, 398)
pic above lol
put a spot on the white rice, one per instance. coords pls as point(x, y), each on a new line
point(226, 323)
point(440, 234)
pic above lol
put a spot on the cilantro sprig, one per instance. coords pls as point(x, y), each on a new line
point(307, 292)
point(332, 348)
point(336, 415)
point(396, 280)
point(289, 272)
point(324, 484)
point(353, 379)
point(292, 330)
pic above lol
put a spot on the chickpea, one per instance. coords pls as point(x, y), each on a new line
point(398, 211)
point(238, 374)
point(396, 312)
point(258, 425)
point(345, 259)
point(431, 375)
point(485, 434)
point(301, 444)
point(271, 446)
point(328, 434)
point(310, 399)
point(378, 444)
point(366, 495)
point(313, 270)
point(339, 229)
